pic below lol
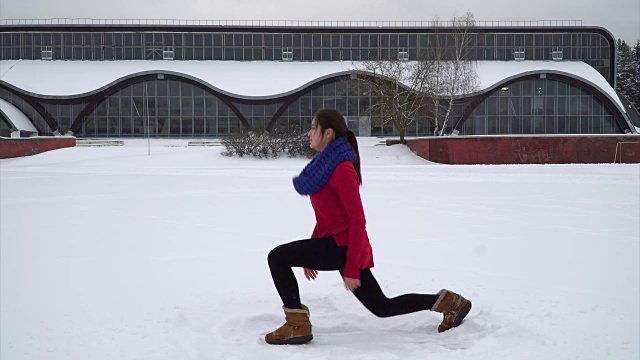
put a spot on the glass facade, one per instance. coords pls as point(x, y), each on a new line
point(541, 106)
point(590, 47)
point(349, 97)
point(160, 108)
point(170, 108)
point(64, 115)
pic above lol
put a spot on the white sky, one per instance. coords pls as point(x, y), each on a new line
point(621, 17)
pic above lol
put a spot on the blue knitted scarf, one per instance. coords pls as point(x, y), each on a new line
point(319, 170)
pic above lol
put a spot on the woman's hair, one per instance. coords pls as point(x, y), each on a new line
point(332, 119)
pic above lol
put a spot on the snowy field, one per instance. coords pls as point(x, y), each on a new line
point(109, 253)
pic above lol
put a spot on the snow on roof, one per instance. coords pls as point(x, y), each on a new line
point(243, 78)
point(491, 73)
point(16, 117)
point(248, 78)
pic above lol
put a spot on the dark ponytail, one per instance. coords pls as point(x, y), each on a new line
point(332, 119)
point(351, 138)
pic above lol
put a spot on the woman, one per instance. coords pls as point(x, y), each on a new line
point(339, 240)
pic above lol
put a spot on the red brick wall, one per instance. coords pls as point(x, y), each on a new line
point(551, 149)
point(16, 147)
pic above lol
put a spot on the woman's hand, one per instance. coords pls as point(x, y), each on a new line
point(310, 274)
point(351, 284)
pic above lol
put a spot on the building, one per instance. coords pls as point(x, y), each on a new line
point(166, 78)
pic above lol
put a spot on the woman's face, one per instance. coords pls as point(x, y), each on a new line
point(318, 138)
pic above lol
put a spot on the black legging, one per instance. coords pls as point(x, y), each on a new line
point(323, 254)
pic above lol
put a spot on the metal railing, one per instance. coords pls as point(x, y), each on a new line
point(284, 23)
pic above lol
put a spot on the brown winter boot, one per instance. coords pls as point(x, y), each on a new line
point(453, 306)
point(295, 331)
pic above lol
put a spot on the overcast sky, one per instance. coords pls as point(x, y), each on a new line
point(621, 17)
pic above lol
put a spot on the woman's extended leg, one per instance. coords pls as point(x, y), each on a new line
point(372, 297)
point(324, 254)
point(317, 254)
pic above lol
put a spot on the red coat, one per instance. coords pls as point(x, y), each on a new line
point(339, 213)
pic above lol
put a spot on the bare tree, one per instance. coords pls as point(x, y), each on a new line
point(401, 89)
point(397, 87)
point(452, 73)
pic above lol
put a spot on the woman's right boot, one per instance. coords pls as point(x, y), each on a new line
point(295, 331)
point(454, 307)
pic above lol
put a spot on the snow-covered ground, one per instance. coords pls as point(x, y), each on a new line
point(109, 253)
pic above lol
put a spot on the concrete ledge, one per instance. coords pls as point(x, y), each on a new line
point(16, 147)
point(514, 149)
point(204, 143)
point(85, 142)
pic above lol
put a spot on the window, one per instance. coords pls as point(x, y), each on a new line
point(403, 54)
point(151, 49)
point(287, 54)
point(556, 54)
point(518, 54)
point(167, 53)
point(47, 53)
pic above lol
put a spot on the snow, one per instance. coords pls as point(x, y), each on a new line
point(237, 78)
point(110, 253)
point(17, 117)
point(248, 78)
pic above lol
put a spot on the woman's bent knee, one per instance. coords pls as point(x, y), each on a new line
point(276, 255)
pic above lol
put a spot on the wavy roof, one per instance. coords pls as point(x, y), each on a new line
point(251, 79)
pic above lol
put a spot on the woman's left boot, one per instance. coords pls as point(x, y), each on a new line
point(454, 307)
point(295, 331)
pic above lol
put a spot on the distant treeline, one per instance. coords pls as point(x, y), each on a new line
point(628, 71)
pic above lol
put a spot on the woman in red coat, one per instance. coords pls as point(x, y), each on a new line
point(339, 240)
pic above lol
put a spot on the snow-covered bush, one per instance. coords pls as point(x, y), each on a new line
point(268, 145)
